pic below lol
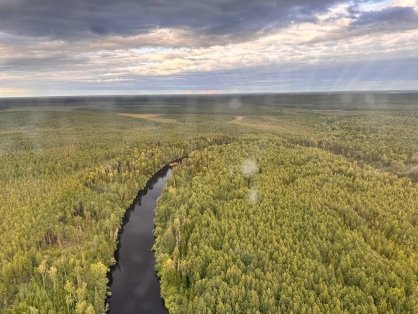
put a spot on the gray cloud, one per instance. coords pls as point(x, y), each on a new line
point(83, 18)
point(39, 63)
point(392, 19)
point(385, 21)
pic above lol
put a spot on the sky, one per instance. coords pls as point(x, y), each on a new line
point(128, 47)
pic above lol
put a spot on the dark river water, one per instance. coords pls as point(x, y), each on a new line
point(133, 282)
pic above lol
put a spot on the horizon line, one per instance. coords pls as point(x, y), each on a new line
point(401, 91)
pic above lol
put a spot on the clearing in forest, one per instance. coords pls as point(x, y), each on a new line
point(149, 116)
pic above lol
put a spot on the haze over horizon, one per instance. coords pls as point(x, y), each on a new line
point(129, 47)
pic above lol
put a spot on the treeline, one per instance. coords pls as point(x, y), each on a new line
point(63, 199)
point(385, 140)
point(260, 227)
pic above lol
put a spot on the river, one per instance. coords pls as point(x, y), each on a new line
point(133, 283)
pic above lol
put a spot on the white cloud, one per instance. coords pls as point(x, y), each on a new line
point(14, 92)
point(381, 5)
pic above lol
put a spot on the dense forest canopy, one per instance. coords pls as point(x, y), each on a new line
point(285, 203)
point(276, 228)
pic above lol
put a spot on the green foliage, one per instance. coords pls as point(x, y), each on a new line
point(64, 194)
point(278, 225)
point(386, 140)
point(308, 232)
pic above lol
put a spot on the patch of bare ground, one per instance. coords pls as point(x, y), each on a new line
point(149, 116)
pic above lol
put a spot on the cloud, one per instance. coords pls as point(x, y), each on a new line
point(392, 18)
point(13, 92)
point(373, 74)
point(350, 21)
point(38, 63)
point(235, 45)
point(73, 19)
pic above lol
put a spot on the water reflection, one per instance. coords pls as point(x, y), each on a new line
point(134, 285)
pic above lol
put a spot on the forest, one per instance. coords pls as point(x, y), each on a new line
point(264, 226)
point(282, 206)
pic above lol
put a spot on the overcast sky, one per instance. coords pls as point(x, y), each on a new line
point(89, 47)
